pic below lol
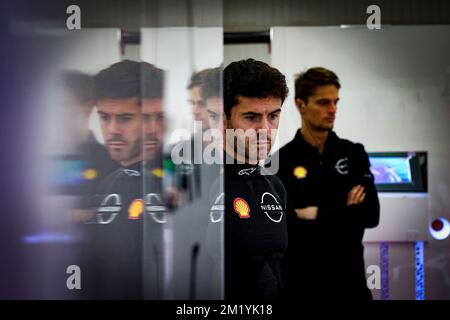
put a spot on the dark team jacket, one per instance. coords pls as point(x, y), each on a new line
point(97, 157)
point(333, 242)
point(123, 234)
point(89, 157)
point(255, 233)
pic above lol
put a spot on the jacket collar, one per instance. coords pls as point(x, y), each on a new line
point(240, 169)
point(134, 170)
point(301, 142)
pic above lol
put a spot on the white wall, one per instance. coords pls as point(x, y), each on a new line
point(236, 52)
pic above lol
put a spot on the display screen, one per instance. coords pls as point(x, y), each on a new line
point(399, 171)
point(391, 170)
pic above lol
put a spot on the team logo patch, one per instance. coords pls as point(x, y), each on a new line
point(300, 172)
point(155, 207)
point(90, 174)
point(271, 207)
point(342, 166)
point(135, 209)
point(157, 172)
point(131, 173)
point(109, 209)
point(217, 209)
point(247, 172)
point(242, 208)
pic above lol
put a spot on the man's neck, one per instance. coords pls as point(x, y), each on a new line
point(237, 158)
point(316, 138)
point(126, 164)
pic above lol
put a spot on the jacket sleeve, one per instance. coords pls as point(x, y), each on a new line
point(367, 213)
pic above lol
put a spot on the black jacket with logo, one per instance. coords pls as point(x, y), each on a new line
point(123, 236)
point(255, 233)
point(325, 256)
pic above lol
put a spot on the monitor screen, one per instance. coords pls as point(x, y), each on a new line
point(399, 171)
point(391, 170)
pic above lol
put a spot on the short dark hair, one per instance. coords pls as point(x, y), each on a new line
point(128, 79)
point(253, 79)
point(196, 79)
point(307, 82)
point(212, 83)
point(78, 84)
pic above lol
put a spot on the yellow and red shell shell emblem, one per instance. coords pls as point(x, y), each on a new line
point(300, 172)
point(242, 208)
point(90, 174)
point(136, 209)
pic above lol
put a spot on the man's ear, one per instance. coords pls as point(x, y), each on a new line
point(300, 105)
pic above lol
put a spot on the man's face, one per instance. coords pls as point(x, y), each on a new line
point(121, 124)
point(214, 110)
point(198, 106)
point(154, 127)
point(319, 112)
point(258, 115)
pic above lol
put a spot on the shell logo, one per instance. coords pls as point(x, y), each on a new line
point(135, 209)
point(90, 174)
point(158, 172)
point(300, 172)
point(242, 208)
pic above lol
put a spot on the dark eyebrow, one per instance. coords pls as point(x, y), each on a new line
point(327, 99)
point(212, 111)
point(276, 111)
point(118, 115)
point(157, 114)
point(250, 113)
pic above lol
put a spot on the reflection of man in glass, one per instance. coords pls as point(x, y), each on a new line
point(212, 95)
point(196, 99)
point(78, 103)
point(129, 103)
point(189, 153)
